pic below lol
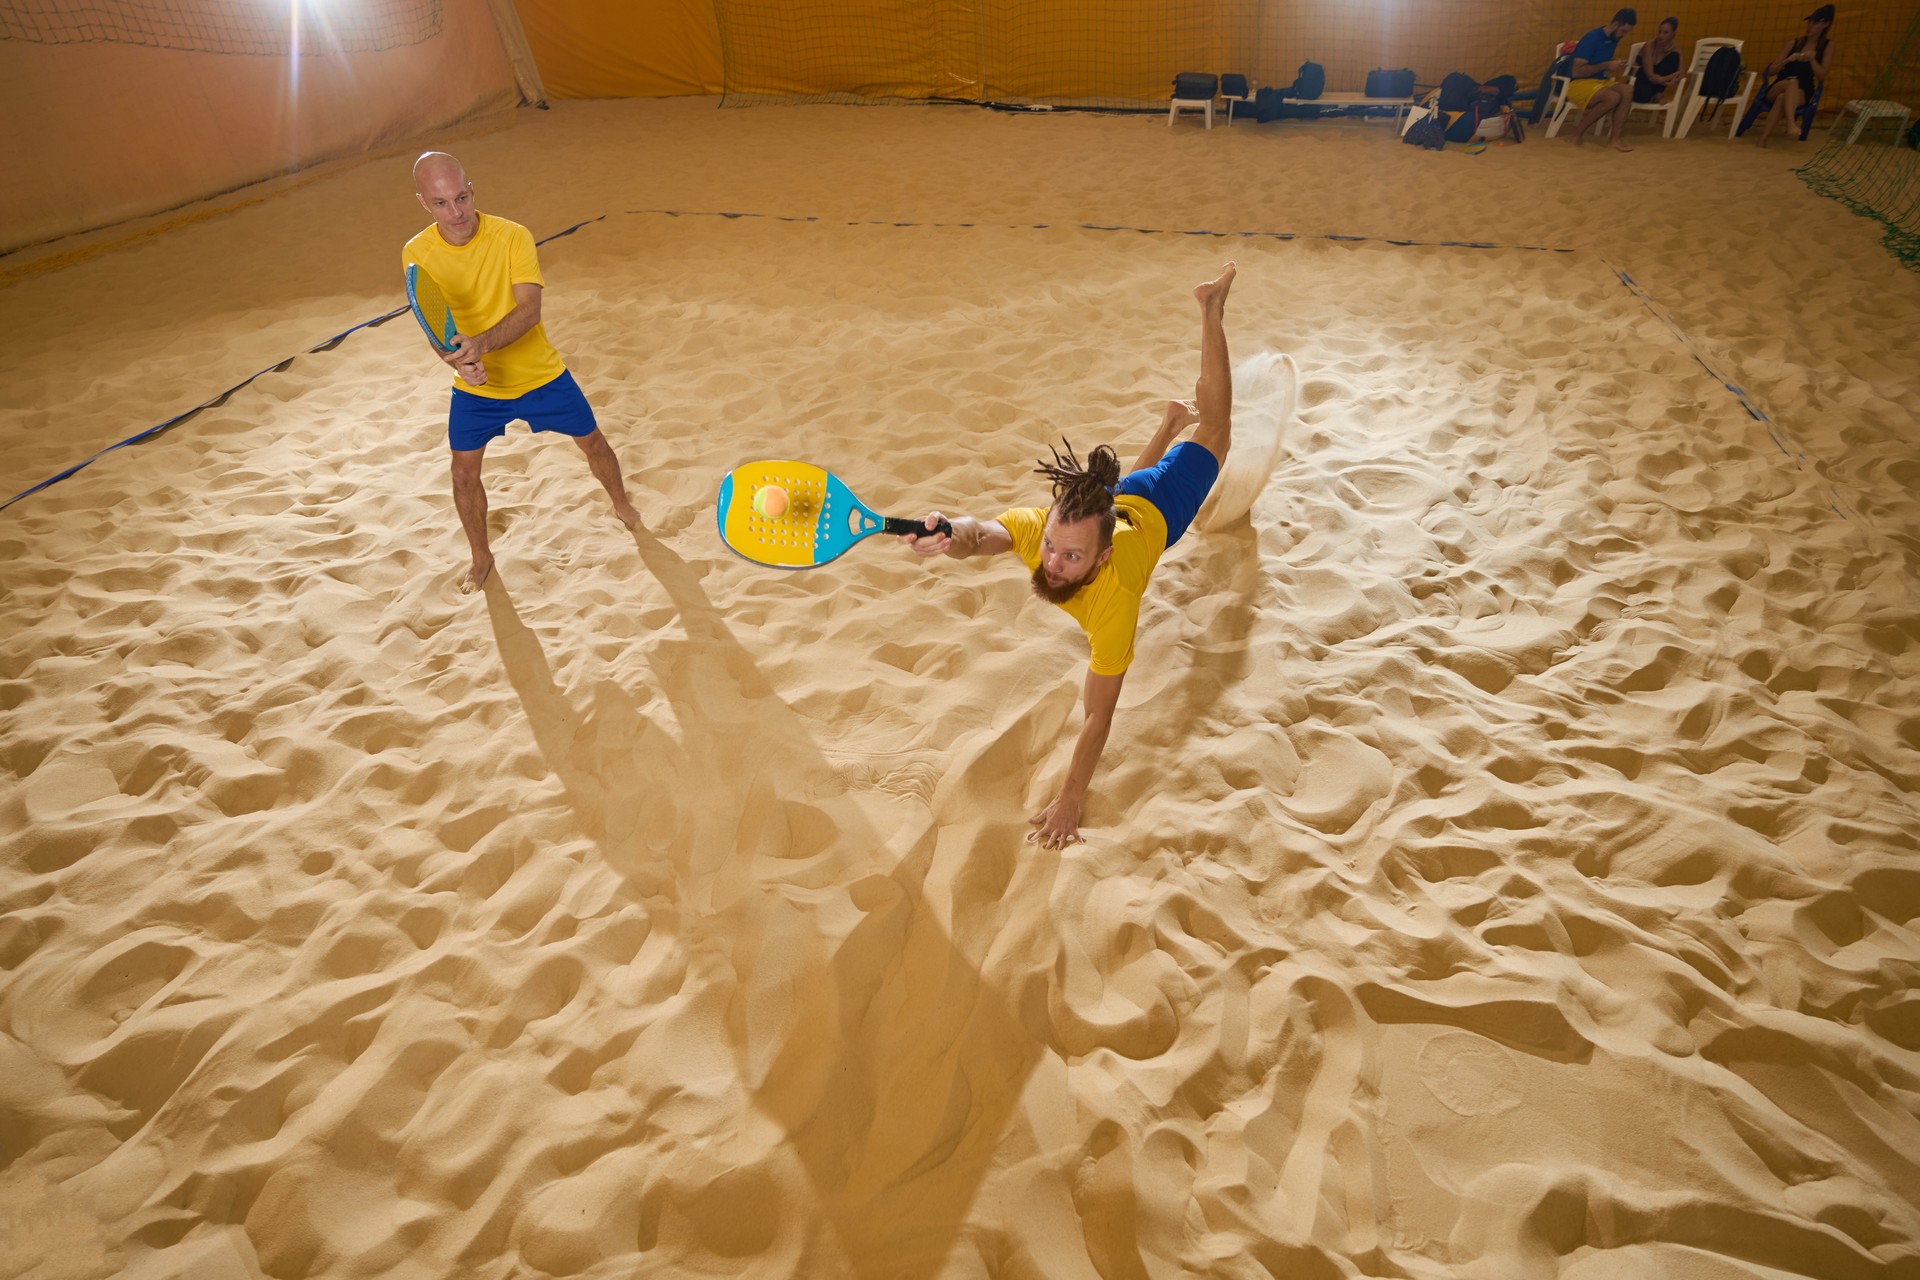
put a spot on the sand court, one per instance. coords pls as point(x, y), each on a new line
point(1503, 866)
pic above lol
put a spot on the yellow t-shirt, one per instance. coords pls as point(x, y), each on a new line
point(1108, 608)
point(477, 279)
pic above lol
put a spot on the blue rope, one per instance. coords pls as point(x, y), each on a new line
point(1781, 441)
point(1105, 226)
point(179, 418)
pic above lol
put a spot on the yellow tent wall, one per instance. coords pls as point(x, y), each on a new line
point(1065, 49)
point(624, 48)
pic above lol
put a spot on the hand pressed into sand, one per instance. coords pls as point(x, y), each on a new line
point(1058, 823)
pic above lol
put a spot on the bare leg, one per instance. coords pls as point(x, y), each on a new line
point(606, 469)
point(1594, 112)
point(1213, 393)
point(470, 500)
point(1785, 105)
point(1620, 112)
point(1180, 415)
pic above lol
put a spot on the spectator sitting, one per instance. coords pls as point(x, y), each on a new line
point(1799, 67)
point(1659, 64)
point(1592, 88)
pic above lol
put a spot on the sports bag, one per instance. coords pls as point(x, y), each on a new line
point(1310, 83)
point(1390, 84)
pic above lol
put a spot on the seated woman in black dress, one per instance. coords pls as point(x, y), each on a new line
point(1794, 73)
point(1658, 65)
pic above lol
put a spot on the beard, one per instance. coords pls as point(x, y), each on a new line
point(1052, 594)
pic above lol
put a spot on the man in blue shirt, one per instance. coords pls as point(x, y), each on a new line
point(1593, 89)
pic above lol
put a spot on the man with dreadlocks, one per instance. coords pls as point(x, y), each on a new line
point(1093, 550)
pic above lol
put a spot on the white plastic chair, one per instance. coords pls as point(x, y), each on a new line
point(1556, 97)
point(1703, 51)
point(1176, 103)
point(1561, 85)
point(1246, 94)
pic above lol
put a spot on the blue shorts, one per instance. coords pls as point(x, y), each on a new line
point(559, 405)
point(1176, 485)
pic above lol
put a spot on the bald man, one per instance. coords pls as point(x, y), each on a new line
point(506, 369)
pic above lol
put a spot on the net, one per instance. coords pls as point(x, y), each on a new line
point(1123, 54)
point(225, 26)
point(1868, 162)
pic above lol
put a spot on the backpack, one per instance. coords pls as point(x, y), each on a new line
point(1721, 77)
point(1390, 84)
point(1458, 91)
point(1458, 105)
point(1310, 83)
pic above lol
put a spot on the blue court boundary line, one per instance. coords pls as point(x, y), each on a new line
point(1105, 226)
point(1781, 440)
point(277, 367)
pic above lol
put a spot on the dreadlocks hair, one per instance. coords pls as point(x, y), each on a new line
point(1083, 491)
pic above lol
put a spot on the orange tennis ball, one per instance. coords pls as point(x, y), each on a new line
point(771, 501)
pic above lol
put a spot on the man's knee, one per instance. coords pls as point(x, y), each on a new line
point(466, 464)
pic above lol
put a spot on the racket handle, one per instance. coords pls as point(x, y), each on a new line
point(916, 528)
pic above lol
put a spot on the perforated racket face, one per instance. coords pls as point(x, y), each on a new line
point(822, 520)
point(430, 307)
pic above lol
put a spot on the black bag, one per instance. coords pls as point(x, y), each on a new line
point(1233, 86)
point(1390, 84)
point(1558, 67)
point(1721, 77)
point(1426, 132)
point(1497, 93)
point(1268, 103)
point(1458, 92)
point(1195, 86)
point(1310, 83)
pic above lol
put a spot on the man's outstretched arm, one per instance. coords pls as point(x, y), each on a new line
point(971, 537)
point(1058, 824)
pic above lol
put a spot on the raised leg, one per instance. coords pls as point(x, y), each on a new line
point(1213, 393)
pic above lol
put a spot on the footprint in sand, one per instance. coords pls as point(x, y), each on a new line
point(1340, 778)
point(1470, 1076)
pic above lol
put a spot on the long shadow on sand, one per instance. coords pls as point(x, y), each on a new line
point(855, 1021)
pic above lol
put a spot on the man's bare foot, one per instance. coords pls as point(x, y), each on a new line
point(476, 577)
point(1619, 146)
point(1180, 415)
point(1213, 294)
point(1579, 139)
point(627, 516)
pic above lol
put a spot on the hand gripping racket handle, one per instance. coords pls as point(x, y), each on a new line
point(916, 528)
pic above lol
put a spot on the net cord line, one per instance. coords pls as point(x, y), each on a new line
point(1745, 400)
point(220, 399)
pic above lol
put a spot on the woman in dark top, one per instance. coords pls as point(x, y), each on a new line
point(1659, 64)
point(1793, 74)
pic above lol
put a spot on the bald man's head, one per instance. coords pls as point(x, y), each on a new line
point(435, 164)
point(442, 188)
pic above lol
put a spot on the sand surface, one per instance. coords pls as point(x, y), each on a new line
point(1504, 864)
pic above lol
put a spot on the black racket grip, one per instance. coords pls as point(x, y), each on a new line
point(916, 528)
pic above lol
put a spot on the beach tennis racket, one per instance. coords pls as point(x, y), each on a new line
point(822, 520)
point(430, 308)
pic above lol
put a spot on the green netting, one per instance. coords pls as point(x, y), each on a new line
point(1869, 163)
